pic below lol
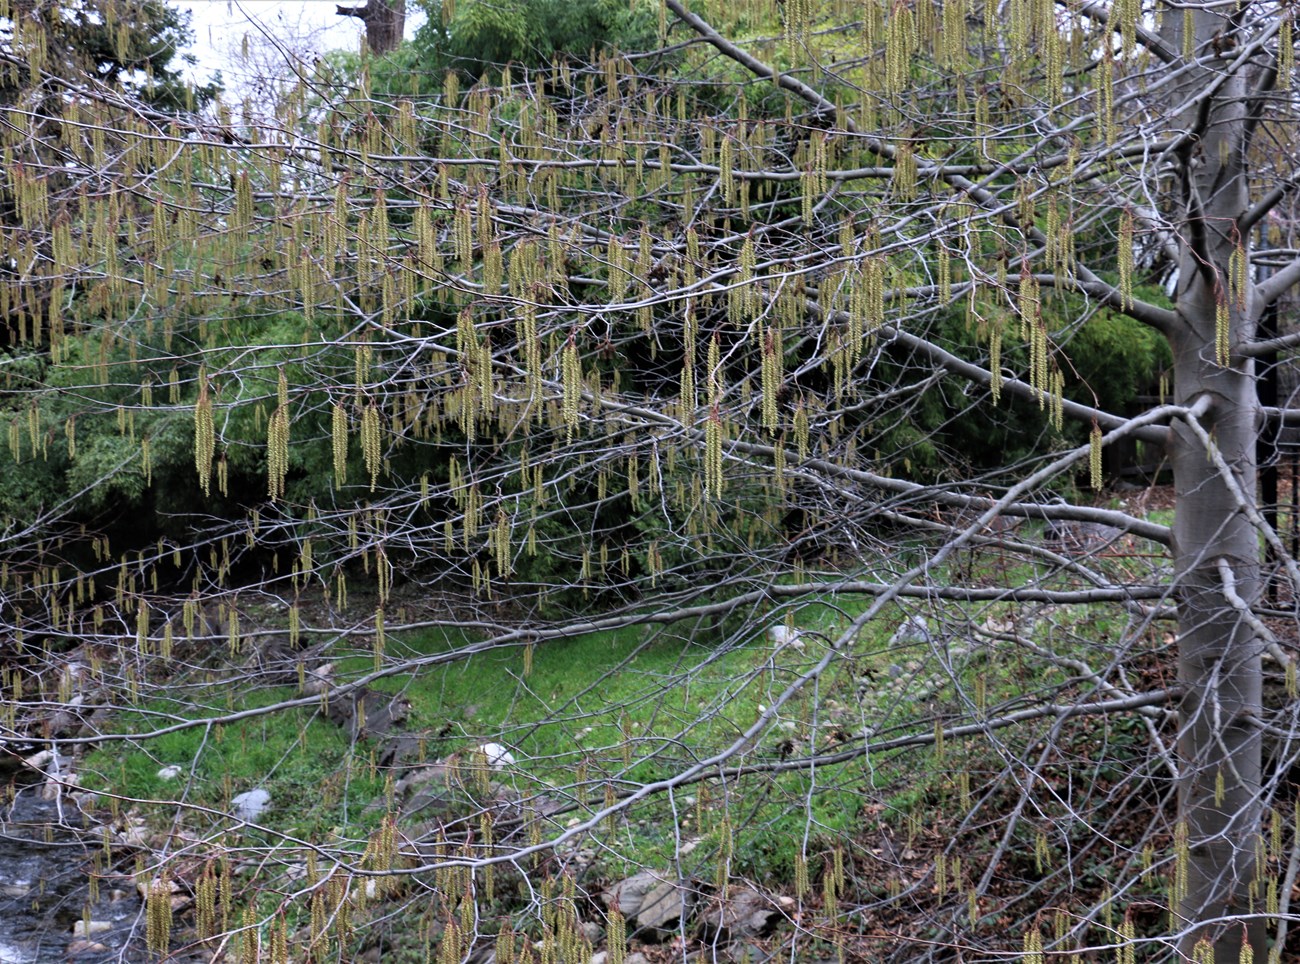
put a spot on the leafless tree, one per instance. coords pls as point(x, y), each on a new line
point(687, 340)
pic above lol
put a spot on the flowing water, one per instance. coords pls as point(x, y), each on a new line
point(45, 864)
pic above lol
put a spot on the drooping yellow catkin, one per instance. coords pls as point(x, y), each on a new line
point(370, 441)
point(1106, 95)
point(1285, 51)
point(571, 375)
point(873, 309)
point(1058, 399)
point(1127, 13)
point(1239, 275)
point(726, 179)
point(713, 431)
point(277, 443)
point(1125, 249)
point(616, 937)
point(339, 432)
point(1222, 330)
point(243, 218)
point(771, 378)
point(205, 438)
point(743, 299)
point(501, 533)
point(1052, 51)
point(801, 429)
point(1033, 946)
point(251, 944)
point(1039, 360)
point(158, 916)
point(1126, 942)
point(1094, 457)
point(900, 45)
point(205, 901)
point(279, 941)
point(904, 177)
point(953, 48)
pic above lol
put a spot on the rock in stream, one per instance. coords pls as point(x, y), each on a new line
point(45, 862)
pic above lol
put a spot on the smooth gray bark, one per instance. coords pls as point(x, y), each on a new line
point(1219, 662)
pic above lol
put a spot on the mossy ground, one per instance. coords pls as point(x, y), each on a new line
point(595, 717)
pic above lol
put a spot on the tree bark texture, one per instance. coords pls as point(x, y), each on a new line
point(384, 19)
point(1215, 878)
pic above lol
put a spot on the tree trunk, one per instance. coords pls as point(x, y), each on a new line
point(1219, 654)
point(384, 19)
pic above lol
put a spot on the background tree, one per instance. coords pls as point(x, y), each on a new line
point(678, 344)
point(384, 19)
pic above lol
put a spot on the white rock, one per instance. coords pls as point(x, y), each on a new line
point(57, 783)
point(249, 805)
point(134, 834)
point(783, 635)
point(913, 630)
point(80, 928)
point(145, 887)
point(170, 773)
point(498, 757)
point(318, 680)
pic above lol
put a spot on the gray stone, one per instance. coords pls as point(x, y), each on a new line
point(653, 900)
point(368, 713)
point(914, 630)
point(249, 806)
point(664, 905)
point(628, 894)
point(403, 750)
point(742, 914)
point(748, 953)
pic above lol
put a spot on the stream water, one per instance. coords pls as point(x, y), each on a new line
point(45, 864)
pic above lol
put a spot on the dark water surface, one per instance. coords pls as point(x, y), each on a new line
point(46, 858)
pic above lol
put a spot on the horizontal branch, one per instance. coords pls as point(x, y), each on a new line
point(1266, 292)
point(982, 376)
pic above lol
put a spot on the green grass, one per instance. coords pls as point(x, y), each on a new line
point(611, 712)
point(305, 763)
